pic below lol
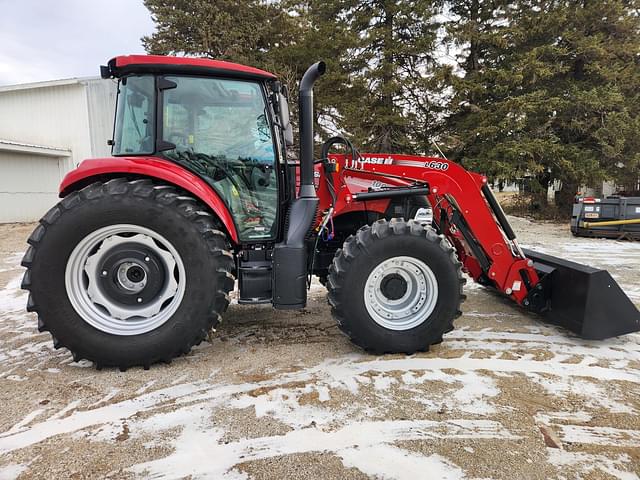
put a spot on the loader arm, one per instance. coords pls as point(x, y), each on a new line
point(461, 213)
point(467, 213)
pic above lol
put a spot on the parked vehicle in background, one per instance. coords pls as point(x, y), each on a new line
point(614, 216)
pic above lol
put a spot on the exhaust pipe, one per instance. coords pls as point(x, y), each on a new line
point(290, 257)
point(305, 102)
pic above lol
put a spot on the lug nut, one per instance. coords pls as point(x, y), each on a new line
point(104, 273)
point(146, 259)
point(139, 299)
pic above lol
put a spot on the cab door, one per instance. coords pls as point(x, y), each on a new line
point(220, 129)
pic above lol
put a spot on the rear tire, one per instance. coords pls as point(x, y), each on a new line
point(190, 282)
point(395, 287)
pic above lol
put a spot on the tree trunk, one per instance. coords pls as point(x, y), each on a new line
point(540, 192)
point(388, 74)
point(565, 197)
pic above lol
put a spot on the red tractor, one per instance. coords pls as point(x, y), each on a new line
point(135, 264)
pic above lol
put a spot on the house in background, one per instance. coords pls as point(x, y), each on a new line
point(46, 129)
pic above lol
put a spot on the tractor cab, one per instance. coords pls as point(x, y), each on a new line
point(228, 124)
point(218, 127)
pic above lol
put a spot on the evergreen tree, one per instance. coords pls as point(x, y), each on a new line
point(244, 32)
point(540, 88)
point(390, 64)
point(550, 90)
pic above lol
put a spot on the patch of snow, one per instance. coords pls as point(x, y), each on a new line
point(595, 396)
point(323, 394)
point(588, 463)
point(200, 453)
point(552, 417)
point(20, 426)
point(350, 373)
point(12, 471)
point(615, 437)
point(383, 383)
point(83, 419)
point(283, 404)
point(12, 298)
point(386, 461)
point(145, 387)
point(82, 364)
point(71, 406)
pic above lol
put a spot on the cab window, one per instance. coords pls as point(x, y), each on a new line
point(135, 124)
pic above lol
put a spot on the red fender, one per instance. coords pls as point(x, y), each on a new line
point(156, 168)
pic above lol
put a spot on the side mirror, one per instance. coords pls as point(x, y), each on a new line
point(285, 120)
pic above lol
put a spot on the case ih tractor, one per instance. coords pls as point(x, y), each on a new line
point(136, 262)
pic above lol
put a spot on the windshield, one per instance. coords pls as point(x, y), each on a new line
point(135, 116)
point(219, 128)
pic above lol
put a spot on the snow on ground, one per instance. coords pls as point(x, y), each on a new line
point(285, 395)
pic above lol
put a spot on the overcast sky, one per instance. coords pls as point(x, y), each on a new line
point(54, 39)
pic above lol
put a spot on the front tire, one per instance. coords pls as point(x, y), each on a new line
point(395, 287)
point(127, 273)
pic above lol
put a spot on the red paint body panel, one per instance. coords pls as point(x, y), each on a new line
point(128, 60)
point(156, 168)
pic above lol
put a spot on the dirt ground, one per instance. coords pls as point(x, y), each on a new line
point(285, 395)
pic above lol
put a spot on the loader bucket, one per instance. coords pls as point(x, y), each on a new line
point(583, 299)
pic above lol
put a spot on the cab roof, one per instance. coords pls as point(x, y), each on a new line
point(126, 64)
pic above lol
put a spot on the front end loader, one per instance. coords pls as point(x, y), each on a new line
point(135, 264)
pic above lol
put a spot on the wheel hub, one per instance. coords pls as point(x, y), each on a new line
point(125, 279)
point(393, 286)
point(131, 273)
point(401, 293)
point(132, 276)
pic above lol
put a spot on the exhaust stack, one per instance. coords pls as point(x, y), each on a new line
point(305, 102)
point(290, 257)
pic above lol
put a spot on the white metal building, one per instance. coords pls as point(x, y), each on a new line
point(46, 129)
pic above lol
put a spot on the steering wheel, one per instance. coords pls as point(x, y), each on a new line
point(241, 149)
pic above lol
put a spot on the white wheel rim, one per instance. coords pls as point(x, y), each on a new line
point(414, 306)
point(100, 310)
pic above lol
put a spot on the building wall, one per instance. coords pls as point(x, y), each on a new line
point(53, 116)
point(28, 185)
point(75, 115)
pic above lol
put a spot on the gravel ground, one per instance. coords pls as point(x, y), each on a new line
point(285, 395)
